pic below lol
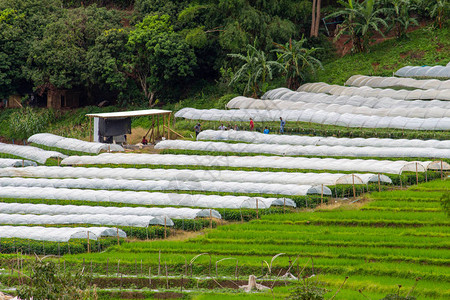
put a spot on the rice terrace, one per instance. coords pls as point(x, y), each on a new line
point(225, 149)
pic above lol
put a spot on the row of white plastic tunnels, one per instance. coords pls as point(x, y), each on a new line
point(63, 234)
point(157, 212)
point(163, 185)
point(441, 72)
point(353, 100)
point(414, 112)
point(315, 116)
point(143, 175)
point(309, 150)
point(395, 82)
point(52, 140)
point(29, 152)
point(277, 162)
point(356, 101)
point(303, 140)
point(149, 198)
point(366, 92)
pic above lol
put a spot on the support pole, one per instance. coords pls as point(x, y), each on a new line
point(164, 124)
point(90, 129)
point(321, 196)
point(442, 171)
point(157, 126)
point(168, 126)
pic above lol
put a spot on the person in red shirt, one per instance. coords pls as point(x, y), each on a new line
point(252, 125)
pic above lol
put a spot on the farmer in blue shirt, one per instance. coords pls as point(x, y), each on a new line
point(282, 124)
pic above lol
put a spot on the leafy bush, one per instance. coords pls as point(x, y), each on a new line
point(26, 122)
point(307, 290)
point(48, 281)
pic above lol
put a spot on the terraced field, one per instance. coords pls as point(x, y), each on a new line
point(381, 242)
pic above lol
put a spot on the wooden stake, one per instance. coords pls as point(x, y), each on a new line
point(257, 213)
point(167, 276)
point(210, 219)
point(149, 277)
point(417, 175)
point(379, 184)
point(165, 228)
point(159, 263)
point(164, 123)
point(118, 242)
point(442, 171)
point(88, 244)
point(353, 184)
point(321, 196)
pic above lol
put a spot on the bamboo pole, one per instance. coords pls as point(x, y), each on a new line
point(321, 196)
point(157, 126)
point(168, 126)
point(164, 124)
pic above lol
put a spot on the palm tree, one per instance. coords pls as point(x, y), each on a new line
point(361, 21)
point(297, 61)
point(255, 70)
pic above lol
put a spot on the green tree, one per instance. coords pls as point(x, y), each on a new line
point(298, 62)
point(255, 71)
point(58, 60)
point(159, 56)
point(361, 21)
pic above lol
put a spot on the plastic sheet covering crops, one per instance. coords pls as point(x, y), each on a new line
point(309, 150)
point(277, 162)
point(62, 234)
point(410, 112)
point(51, 140)
point(315, 116)
point(196, 175)
point(142, 198)
point(161, 185)
point(365, 91)
point(160, 212)
point(100, 219)
point(29, 152)
point(440, 72)
point(260, 138)
point(358, 101)
point(384, 82)
point(11, 162)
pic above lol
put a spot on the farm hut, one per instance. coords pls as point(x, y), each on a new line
point(114, 126)
point(63, 98)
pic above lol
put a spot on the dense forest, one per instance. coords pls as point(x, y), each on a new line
point(146, 52)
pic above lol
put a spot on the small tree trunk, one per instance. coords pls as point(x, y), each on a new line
point(313, 17)
point(317, 20)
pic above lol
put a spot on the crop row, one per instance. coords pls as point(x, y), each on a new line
point(324, 130)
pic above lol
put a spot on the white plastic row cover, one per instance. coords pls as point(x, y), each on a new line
point(277, 162)
point(409, 112)
point(386, 105)
point(11, 162)
point(54, 234)
point(383, 82)
point(161, 212)
point(100, 219)
point(366, 91)
point(440, 72)
point(309, 150)
point(315, 116)
point(163, 185)
point(196, 175)
point(29, 152)
point(283, 139)
point(52, 140)
point(143, 198)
